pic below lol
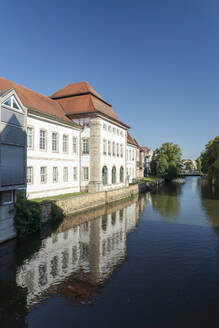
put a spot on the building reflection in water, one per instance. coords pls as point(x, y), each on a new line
point(82, 254)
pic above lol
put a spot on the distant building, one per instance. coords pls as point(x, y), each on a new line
point(131, 158)
point(148, 153)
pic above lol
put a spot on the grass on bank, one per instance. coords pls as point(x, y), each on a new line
point(58, 197)
point(150, 179)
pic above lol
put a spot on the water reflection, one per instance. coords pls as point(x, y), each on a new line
point(166, 201)
point(77, 259)
point(209, 196)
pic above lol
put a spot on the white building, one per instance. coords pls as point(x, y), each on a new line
point(131, 159)
point(103, 139)
point(53, 145)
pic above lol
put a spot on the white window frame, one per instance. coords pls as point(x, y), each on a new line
point(75, 145)
point(65, 174)
point(43, 139)
point(85, 173)
point(43, 177)
point(32, 136)
point(75, 173)
point(57, 142)
point(31, 175)
point(85, 146)
point(56, 175)
point(65, 144)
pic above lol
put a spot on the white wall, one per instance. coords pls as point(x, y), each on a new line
point(109, 160)
point(131, 163)
point(37, 158)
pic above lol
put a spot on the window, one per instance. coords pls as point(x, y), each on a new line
point(133, 155)
point(109, 128)
point(55, 147)
point(43, 174)
point(117, 132)
point(11, 102)
point(121, 174)
point(75, 145)
point(113, 175)
point(121, 133)
point(85, 146)
point(104, 126)
point(85, 173)
point(114, 130)
point(42, 140)
point(6, 197)
point(75, 173)
point(117, 149)
point(121, 150)
point(65, 143)
point(104, 147)
point(29, 138)
point(104, 175)
point(109, 148)
point(65, 174)
point(55, 174)
point(114, 149)
point(29, 175)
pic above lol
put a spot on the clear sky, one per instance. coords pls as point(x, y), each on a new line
point(155, 61)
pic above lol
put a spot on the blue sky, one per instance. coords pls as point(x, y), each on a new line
point(155, 61)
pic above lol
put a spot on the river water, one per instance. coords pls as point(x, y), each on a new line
point(150, 261)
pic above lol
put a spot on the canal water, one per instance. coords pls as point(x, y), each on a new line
point(151, 262)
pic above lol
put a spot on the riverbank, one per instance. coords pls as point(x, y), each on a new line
point(86, 201)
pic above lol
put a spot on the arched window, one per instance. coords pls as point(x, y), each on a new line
point(113, 175)
point(121, 174)
point(104, 175)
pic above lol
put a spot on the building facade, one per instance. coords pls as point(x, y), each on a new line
point(103, 138)
point(131, 158)
point(13, 115)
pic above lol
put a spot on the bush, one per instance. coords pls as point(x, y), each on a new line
point(28, 216)
point(56, 213)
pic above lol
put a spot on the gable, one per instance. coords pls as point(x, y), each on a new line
point(13, 104)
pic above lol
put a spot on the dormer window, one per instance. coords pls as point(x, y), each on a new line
point(12, 102)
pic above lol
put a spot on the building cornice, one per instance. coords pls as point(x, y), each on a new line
point(33, 112)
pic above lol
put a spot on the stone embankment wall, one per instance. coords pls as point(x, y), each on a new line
point(88, 201)
point(92, 200)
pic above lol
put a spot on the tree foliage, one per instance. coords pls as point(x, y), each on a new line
point(28, 216)
point(166, 161)
point(210, 160)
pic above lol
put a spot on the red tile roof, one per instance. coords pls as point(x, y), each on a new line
point(131, 140)
point(35, 101)
point(80, 98)
point(75, 89)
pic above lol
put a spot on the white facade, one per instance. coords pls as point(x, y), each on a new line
point(53, 163)
point(131, 163)
point(112, 154)
point(113, 135)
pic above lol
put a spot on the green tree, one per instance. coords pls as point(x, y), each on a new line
point(166, 161)
point(199, 163)
point(210, 160)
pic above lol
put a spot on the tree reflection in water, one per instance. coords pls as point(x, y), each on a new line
point(209, 195)
point(166, 201)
